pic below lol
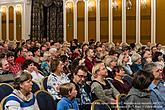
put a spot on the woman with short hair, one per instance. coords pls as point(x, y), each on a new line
point(22, 98)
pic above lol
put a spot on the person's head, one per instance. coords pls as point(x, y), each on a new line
point(68, 90)
point(99, 49)
point(10, 57)
point(99, 70)
point(110, 61)
point(155, 69)
point(23, 52)
point(23, 82)
point(54, 52)
point(36, 51)
point(4, 64)
point(90, 53)
point(159, 46)
point(80, 74)
point(158, 56)
point(28, 65)
point(142, 80)
point(148, 44)
point(56, 65)
point(46, 56)
point(147, 54)
point(64, 59)
point(118, 71)
point(29, 55)
point(153, 49)
point(84, 47)
point(123, 59)
point(136, 58)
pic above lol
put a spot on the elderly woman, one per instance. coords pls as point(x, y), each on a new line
point(110, 62)
point(100, 87)
point(22, 98)
point(56, 78)
point(136, 65)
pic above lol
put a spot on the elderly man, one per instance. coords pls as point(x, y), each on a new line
point(157, 87)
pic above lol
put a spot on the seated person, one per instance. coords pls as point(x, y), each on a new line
point(68, 101)
point(100, 87)
point(84, 91)
point(56, 78)
point(22, 98)
point(5, 75)
point(138, 97)
point(120, 84)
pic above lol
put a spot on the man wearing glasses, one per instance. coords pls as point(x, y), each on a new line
point(83, 97)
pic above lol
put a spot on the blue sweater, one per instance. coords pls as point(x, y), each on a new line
point(66, 104)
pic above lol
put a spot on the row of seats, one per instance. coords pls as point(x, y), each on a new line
point(46, 101)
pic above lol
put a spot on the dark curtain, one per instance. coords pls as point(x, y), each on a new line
point(47, 20)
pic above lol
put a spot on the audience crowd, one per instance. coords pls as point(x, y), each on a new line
point(81, 73)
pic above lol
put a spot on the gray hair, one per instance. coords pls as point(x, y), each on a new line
point(149, 67)
point(135, 57)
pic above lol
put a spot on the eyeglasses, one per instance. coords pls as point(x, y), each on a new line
point(159, 70)
point(81, 76)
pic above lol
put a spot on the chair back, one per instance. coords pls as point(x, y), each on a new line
point(121, 102)
point(5, 90)
point(3, 102)
point(44, 83)
point(100, 105)
point(35, 87)
point(45, 100)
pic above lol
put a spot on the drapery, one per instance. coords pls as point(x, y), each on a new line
point(47, 20)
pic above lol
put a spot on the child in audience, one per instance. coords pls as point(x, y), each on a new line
point(68, 101)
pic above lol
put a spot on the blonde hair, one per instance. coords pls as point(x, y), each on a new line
point(95, 69)
point(66, 88)
point(46, 55)
point(120, 59)
point(108, 59)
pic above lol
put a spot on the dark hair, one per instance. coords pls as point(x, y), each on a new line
point(54, 64)
point(63, 58)
point(156, 55)
point(26, 64)
point(9, 54)
point(81, 67)
point(142, 80)
point(24, 76)
point(116, 69)
point(84, 46)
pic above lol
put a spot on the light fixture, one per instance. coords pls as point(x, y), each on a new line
point(91, 5)
point(129, 4)
point(18, 9)
point(69, 5)
point(144, 3)
point(115, 4)
point(3, 10)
